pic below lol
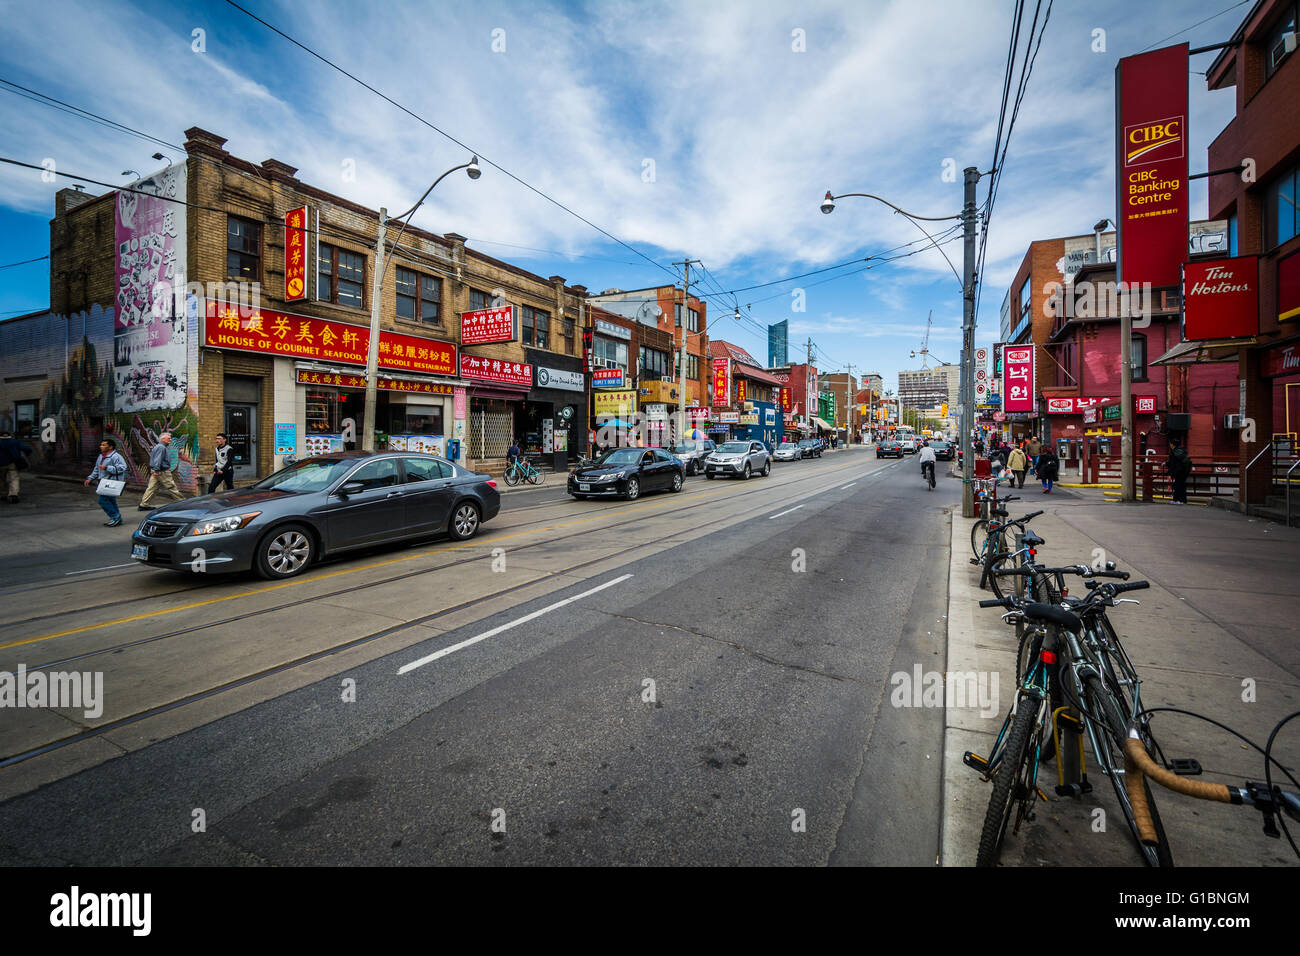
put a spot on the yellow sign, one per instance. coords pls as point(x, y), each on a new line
point(943, 410)
point(660, 392)
point(617, 403)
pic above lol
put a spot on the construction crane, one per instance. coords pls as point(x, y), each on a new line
point(925, 345)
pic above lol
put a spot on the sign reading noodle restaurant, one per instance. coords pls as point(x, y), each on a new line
point(282, 335)
point(1151, 165)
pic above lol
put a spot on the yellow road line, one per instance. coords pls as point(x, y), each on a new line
point(364, 567)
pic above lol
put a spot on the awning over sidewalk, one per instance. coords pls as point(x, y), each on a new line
point(822, 424)
point(1199, 353)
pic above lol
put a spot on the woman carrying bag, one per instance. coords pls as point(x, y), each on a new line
point(110, 472)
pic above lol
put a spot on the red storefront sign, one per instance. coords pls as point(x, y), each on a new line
point(299, 336)
point(1073, 406)
point(1282, 360)
point(721, 382)
point(1144, 404)
point(1151, 165)
point(295, 254)
point(740, 390)
point(487, 325)
point(382, 383)
point(1018, 379)
point(1221, 298)
point(607, 378)
point(1288, 288)
point(495, 370)
point(785, 397)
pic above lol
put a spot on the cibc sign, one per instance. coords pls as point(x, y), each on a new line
point(1151, 165)
point(1221, 298)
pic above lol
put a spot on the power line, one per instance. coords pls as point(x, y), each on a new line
point(1196, 24)
point(25, 262)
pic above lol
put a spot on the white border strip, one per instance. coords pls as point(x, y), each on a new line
point(786, 512)
point(406, 668)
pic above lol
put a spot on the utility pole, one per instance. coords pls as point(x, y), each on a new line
point(372, 352)
point(1128, 484)
point(969, 222)
point(809, 399)
point(681, 364)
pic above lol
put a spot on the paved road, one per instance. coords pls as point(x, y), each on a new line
point(695, 678)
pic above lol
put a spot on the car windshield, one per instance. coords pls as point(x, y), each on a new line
point(620, 456)
point(734, 447)
point(788, 444)
point(684, 448)
point(314, 474)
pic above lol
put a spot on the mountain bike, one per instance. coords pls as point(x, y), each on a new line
point(521, 469)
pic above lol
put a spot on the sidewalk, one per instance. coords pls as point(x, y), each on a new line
point(1215, 634)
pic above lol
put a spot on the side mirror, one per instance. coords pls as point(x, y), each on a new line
point(351, 488)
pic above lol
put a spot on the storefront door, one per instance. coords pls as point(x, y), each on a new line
point(241, 433)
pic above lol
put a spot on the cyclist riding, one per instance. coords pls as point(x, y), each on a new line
point(926, 455)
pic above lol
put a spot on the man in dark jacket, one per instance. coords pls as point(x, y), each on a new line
point(223, 468)
point(12, 452)
point(1180, 468)
point(1048, 469)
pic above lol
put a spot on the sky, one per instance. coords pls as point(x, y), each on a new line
point(708, 130)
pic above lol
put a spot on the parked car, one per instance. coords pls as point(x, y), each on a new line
point(738, 459)
point(909, 446)
point(626, 473)
point(889, 448)
point(692, 453)
point(943, 450)
point(811, 447)
point(315, 508)
point(788, 451)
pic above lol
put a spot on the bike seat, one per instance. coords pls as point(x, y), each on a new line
point(1051, 614)
point(1031, 540)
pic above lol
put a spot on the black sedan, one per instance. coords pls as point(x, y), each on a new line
point(811, 447)
point(943, 450)
point(626, 473)
point(317, 507)
point(889, 448)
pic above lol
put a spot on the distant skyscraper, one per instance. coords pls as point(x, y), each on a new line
point(778, 344)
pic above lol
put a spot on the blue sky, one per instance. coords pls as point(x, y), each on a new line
point(742, 131)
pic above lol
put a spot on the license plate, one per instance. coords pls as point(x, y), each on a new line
point(140, 552)
point(584, 487)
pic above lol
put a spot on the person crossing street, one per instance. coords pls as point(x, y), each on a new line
point(111, 465)
point(1018, 464)
point(223, 469)
point(160, 473)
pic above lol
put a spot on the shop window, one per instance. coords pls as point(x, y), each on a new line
point(25, 420)
point(1138, 357)
point(243, 249)
point(419, 297)
point(416, 419)
point(342, 276)
point(535, 325)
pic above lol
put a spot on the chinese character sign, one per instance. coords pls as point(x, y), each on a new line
point(740, 391)
point(1018, 379)
point(785, 398)
point(295, 254)
point(496, 370)
point(151, 337)
point(721, 382)
point(487, 325)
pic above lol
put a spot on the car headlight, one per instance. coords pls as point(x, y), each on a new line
point(217, 525)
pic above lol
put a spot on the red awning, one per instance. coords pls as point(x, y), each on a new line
point(757, 374)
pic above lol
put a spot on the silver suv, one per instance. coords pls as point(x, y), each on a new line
point(739, 459)
point(692, 454)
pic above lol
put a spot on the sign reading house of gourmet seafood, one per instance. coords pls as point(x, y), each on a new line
point(280, 334)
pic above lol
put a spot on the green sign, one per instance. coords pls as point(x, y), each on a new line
point(1110, 412)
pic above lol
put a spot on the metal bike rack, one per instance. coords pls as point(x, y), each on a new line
point(1294, 464)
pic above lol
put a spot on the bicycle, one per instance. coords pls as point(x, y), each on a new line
point(1063, 669)
point(987, 506)
point(927, 472)
point(521, 469)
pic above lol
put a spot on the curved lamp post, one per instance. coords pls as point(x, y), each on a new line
point(381, 267)
point(968, 219)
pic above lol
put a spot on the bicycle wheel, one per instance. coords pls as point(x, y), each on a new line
point(536, 477)
point(512, 476)
point(978, 532)
point(1015, 784)
point(1102, 706)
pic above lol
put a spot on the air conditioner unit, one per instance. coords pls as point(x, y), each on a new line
point(1231, 421)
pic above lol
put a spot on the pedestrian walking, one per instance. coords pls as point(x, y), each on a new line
point(110, 466)
point(1018, 464)
point(1048, 468)
point(13, 459)
point(1180, 468)
point(160, 473)
point(223, 468)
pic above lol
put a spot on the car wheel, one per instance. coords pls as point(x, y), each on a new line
point(767, 468)
point(633, 489)
point(285, 552)
point(745, 474)
point(708, 475)
point(464, 521)
point(677, 481)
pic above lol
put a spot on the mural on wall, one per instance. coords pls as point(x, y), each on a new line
point(152, 329)
point(78, 395)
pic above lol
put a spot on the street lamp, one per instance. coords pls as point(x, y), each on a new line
point(381, 267)
point(968, 219)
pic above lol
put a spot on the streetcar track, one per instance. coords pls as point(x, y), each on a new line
point(91, 733)
point(486, 537)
